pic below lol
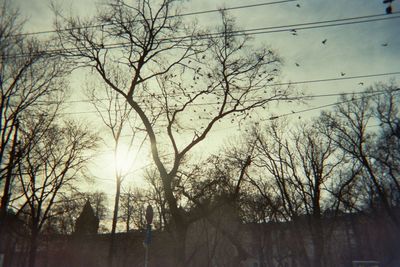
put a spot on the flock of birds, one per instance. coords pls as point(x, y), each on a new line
point(389, 10)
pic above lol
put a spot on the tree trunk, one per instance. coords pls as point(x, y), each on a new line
point(318, 242)
point(7, 184)
point(316, 228)
point(32, 248)
point(114, 224)
point(180, 244)
point(128, 213)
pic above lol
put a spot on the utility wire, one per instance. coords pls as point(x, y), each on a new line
point(262, 87)
point(284, 99)
point(375, 93)
point(245, 32)
point(165, 17)
point(248, 101)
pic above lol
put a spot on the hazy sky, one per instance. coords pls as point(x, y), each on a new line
point(349, 50)
point(342, 51)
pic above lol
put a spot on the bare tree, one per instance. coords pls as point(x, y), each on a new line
point(174, 70)
point(28, 77)
point(134, 201)
point(68, 206)
point(117, 117)
point(370, 183)
point(54, 154)
point(388, 142)
point(348, 130)
point(296, 167)
point(211, 192)
point(317, 164)
point(130, 204)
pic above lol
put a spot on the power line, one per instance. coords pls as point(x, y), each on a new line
point(343, 21)
point(165, 17)
point(375, 93)
point(277, 84)
point(245, 32)
point(248, 101)
point(262, 87)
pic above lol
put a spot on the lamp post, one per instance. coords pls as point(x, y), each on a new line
point(147, 240)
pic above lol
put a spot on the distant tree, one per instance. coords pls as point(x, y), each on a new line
point(363, 129)
point(30, 81)
point(69, 205)
point(133, 203)
point(128, 208)
point(317, 163)
point(54, 155)
point(87, 221)
point(296, 165)
point(388, 140)
point(174, 69)
point(116, 115)
point(155, 195)
point(98, 200)
point(211, 193)
point(348, 128)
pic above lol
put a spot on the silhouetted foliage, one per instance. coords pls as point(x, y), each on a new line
point(87, 222)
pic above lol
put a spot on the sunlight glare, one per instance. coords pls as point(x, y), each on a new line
point(127, 159)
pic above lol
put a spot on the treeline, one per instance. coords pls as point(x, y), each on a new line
point(335, 175)
point(181, 81)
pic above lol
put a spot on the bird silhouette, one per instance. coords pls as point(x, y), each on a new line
point(385, 44)
point(361, 83)
point(294, 32)
point(298, 5)
point(297, 64)
point(342, 73)
point(389, 10)
point(324, 41)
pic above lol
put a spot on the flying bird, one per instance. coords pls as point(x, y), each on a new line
point(298, 5)
point(389, 10)
point(342, 73)
point(294, 32)
point(297, 64)
point(324, 41)
point(385, 44)
point(361, 83)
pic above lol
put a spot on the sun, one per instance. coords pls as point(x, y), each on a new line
point(126, 159)
point(123, 159)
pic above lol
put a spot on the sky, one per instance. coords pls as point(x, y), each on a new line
point(337, 53)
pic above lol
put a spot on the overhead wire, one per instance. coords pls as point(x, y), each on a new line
point(276, 84)
point(270, 29)
point(262, 87)
point(244, 32)
point(169, 16)
point(373, 93)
